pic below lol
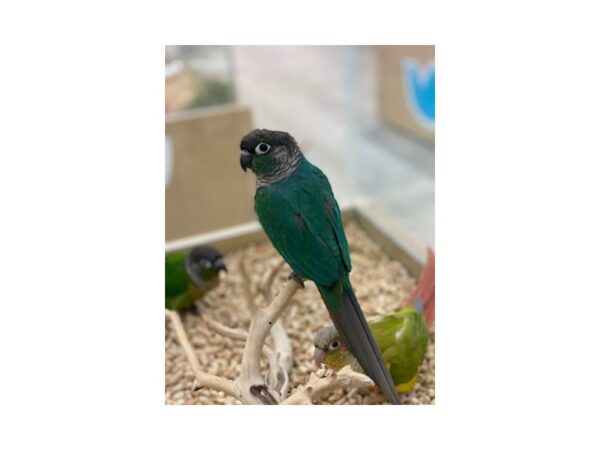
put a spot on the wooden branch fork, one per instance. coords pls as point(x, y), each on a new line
point(250, 383)
point(251, 387)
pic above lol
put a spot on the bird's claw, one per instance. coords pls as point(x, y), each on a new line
point(294, 276)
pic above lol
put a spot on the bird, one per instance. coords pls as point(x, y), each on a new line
point(296, 208)
point(402, 336)
point(190, 275)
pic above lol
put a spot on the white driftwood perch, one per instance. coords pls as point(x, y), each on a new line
point(280, 364)
point(203, 379)
point(250, 384)
point(237, 334)
point(323, 382)
point(248, 293)
point(250, 387)
point(280, 359)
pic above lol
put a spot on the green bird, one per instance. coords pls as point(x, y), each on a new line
point(188, 276)
point(296, 208)
point(402, 337)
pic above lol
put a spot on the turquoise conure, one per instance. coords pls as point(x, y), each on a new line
point(296, 207)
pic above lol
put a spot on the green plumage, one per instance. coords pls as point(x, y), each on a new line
point(202, 264)
point(402, 338)
point(178, 287)
point(303, 221)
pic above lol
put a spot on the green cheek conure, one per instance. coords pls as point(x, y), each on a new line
point(402, 337)
point(188, 276)
point(296, 208)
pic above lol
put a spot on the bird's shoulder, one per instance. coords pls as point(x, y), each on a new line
point(302, 191)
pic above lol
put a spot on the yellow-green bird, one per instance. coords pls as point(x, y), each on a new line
point(402, 337)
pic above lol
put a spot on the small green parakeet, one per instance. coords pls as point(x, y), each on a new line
point(402, 337)
point(298, 211)
point(188, 276)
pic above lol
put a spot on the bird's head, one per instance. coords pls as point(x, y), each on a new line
point(271, 155)
point(203, 264)
point(330, 349)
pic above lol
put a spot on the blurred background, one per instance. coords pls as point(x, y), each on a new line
point(364, 114)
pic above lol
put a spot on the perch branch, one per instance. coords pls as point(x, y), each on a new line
point(267, 282)
point(280, 364)
point(250, 384)
point(248, 292)
point(237, 334)
point(250, 388)
point(203, 379)
point(323, 382)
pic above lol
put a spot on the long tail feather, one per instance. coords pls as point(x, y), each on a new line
point(352, 326)
point(424, 295)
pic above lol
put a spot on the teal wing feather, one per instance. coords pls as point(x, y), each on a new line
point(334, 218)
point(303, 221)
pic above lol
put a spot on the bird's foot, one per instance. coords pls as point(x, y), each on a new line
point(294, 276)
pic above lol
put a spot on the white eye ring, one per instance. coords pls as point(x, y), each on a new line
point(334, 345)
point(262, 148)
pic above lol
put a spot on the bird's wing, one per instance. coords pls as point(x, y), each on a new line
point(176, 280)
point(334, 217)
point(293, 217)
point(406, 338)
point(384, 330)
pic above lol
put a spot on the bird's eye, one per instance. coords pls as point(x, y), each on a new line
point(334, 345)
point(262, 148)
point(206, 264)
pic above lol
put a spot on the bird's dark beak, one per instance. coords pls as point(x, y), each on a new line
point(245, 159)
point(319, 356)
point(220, 265)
